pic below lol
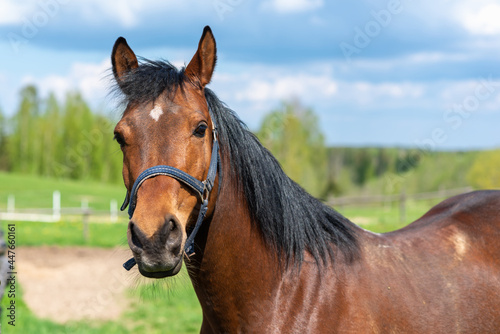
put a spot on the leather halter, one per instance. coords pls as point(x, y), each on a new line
point(202, 189)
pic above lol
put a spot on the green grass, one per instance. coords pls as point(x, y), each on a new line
point(165, 307)
point(36, 192)
point(69, 234)
point(380, 219)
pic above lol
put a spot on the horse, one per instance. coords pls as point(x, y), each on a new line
point(263, 255)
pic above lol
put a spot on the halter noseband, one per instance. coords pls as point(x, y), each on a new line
point(202, 188)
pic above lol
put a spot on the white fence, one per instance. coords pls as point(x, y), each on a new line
point(51, 215)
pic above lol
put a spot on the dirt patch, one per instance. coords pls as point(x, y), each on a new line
point(73, 283)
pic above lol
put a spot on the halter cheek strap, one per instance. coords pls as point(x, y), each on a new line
point(202, 189)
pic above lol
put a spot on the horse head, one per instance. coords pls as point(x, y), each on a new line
point(166, 123)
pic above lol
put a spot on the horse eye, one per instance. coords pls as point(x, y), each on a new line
point(200, 130)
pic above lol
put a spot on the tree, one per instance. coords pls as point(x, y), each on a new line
point(485, 171)
point(382, 162)
point(364, 168)
point(292, 134)
point(59, 140)
point(50, 129)
point(4, 162)
point(22, 146)
point(76, 147)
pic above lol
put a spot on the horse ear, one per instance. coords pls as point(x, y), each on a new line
point(201, 67)
point(123, 59)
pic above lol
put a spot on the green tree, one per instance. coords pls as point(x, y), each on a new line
point(292, 134)
point(382, 162)
point(23, 145)
point(106, 155)
point(75, 146)
point(4, 158)
point(364, 168)
point(485, 171)
point(50, 128)
point(65, 140)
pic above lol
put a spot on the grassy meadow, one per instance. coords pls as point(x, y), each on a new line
point(36, 192)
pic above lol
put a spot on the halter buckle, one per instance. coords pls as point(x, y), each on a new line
point(205, 195)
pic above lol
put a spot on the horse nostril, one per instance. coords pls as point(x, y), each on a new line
point(135, 238)
point(173, 238)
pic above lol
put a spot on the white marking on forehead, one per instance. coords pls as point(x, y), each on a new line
point(156, 112)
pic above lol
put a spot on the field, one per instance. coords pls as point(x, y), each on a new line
point(164, 306)
point(36, 192)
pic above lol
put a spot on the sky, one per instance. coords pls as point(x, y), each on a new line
point(377, 73)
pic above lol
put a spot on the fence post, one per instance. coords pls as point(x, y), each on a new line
point(85, 221)
point(85, 218)
point(11, 204)
point(113, 211)
point(56, 205)
point(402, 206)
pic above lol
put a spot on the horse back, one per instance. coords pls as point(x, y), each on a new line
point(440, 274)
point(475, 214)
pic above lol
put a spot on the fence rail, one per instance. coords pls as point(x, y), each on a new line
point(401, 198)
point(362, 200)
point(54, 214)
point(84, 213)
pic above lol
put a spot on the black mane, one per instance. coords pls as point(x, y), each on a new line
point(147, 82)
point(291, 221)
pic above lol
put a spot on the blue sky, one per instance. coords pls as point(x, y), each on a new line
point(396, 72)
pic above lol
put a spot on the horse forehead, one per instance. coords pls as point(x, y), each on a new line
point(157, 109)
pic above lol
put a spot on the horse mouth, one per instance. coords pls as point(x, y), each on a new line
point(159, 271)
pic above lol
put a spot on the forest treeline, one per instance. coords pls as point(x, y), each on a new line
point(292, 133)
point(66, 139)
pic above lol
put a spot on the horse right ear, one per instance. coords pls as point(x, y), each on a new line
point(123, 60)
point(202, 65)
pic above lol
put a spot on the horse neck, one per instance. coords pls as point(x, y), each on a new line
point(237, 277)
point(234, 267)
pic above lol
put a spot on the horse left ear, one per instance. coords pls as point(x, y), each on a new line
point(201, 67)
point(123, 59)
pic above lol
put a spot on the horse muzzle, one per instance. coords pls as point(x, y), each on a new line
point(159, 255)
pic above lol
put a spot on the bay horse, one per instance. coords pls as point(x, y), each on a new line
point(263, 255)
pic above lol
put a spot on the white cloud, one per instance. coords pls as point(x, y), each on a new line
point(479, 17)
point(12, 12)
point(292, 6)
point(87, 78)
point(484, 92)
point(127, 13)
point(257, 90)
point(368, 95)
point(287, 87)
